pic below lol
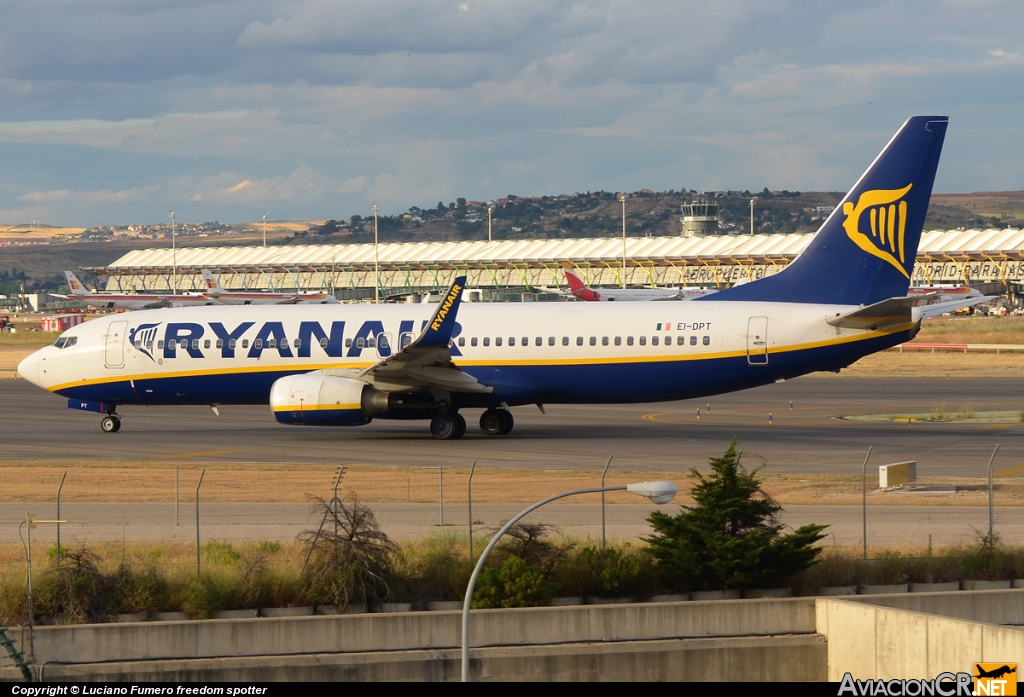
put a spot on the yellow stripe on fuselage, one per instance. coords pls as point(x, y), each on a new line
point(461, 362)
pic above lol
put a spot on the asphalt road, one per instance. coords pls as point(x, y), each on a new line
point(35, 425)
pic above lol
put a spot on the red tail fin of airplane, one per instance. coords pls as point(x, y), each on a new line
point(578, 288)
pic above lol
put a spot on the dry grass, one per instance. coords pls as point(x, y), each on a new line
point(28, 232)
point(154, 481)
point(937, 365)
point(972, 330)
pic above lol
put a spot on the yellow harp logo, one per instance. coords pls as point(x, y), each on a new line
point(887, 219)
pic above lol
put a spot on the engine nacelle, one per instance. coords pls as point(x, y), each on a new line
point(315, 399)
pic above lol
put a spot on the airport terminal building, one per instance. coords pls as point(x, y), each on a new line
point(991, 260)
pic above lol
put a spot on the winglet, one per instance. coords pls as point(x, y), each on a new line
point(438, 331)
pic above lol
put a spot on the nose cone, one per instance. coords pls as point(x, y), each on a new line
point(29, 369)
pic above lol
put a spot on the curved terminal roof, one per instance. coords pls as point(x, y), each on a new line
point(985, 245)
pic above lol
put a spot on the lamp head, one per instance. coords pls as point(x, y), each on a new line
point(658, 492)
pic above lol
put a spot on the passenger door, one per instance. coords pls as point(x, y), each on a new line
point(113, 356)
point(757, 341)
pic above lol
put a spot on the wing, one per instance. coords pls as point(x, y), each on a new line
point(897, 311)
point(427, 361)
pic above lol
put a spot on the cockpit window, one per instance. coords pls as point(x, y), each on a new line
point(63, 342)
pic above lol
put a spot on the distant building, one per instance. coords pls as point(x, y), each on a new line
point(700, 218)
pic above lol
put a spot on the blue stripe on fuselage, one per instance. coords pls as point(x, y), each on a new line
point(524, 384)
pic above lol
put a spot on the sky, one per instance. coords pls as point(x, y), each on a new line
point(114, 111)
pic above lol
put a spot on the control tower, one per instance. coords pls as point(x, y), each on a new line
point(700, 218)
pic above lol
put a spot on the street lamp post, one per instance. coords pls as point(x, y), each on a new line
point(174, 255)
point(376, 259)
point(658, 492)
point(265, 215)
point(622, 199)
point(30, 523)
point(752, 202)
point(490, 210)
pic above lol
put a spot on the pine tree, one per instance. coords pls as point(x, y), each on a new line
point(731, 537)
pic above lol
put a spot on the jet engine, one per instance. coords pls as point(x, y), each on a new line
point(317, 399)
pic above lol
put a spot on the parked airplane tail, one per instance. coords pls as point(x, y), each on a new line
point(865, 251)
point(213, 286)
point(577, 286)
point(75, 287)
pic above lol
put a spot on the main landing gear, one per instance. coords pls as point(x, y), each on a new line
point(496, 422)
point(448, 425)
point(111, 423)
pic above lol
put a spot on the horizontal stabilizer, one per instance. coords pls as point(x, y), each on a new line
point(888, 313)
point(929, 311)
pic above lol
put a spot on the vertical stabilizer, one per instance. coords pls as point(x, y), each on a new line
point(865, 251)
point(213, 286)
point(75, 287)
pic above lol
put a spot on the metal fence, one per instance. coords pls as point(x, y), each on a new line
point(192, 504)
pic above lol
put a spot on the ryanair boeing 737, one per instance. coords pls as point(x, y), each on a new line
point(342, 365)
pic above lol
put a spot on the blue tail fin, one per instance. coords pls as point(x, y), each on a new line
point(865, 251)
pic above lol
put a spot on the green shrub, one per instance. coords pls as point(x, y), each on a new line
point(514, 584)
point(611, 572)
point(730, 538)
point(436, 569)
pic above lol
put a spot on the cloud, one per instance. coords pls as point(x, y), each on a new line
point(319, 107)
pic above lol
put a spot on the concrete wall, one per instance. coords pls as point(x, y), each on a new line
point(426, 630)
point(873, 641)
point(995, 607)
point(792, 658)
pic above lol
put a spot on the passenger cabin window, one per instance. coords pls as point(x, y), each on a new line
point(297, 343)
point(604, 341)
point(579, 341)
point(232, 343)
point(384, 341)
point(160, 344)
point(618, 341)
point(629, 341)
point(497, 341)
point(284, 343)
point(272, 343)
point(360, 342)
point(539, 341)
point(220, 343)
point(184, 343)
point(593, 341)
point(257, 344)
point(693, 341)
point(526, 341)
point(245, 343)
point(487, 341)
point(472, 342)
point(551, 341)
point(643, 341)
point(654, 341)
point(462, 341)
point(348, 342)
point(707, 341)
point(511, 341)
point(565, 341)
point(206, 344)
point(371, 342)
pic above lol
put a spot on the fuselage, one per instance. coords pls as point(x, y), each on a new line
point(528, 353)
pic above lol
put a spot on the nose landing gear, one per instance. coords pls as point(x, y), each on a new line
point(111, 423)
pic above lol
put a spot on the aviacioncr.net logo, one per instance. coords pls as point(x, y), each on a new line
point(885, 215)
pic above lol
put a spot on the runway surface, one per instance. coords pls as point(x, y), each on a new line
point(35, 425)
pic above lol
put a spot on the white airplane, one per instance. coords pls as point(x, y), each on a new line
point(216, 291)
point(845, 297)
point(130, 301)
point(581, 291)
